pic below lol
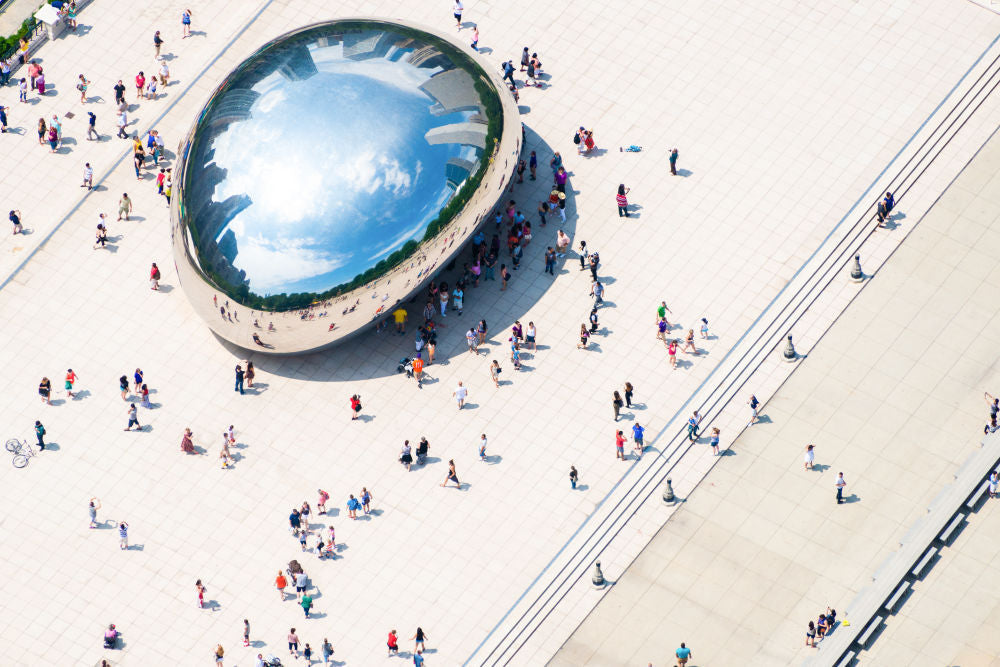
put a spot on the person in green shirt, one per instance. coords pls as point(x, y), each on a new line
point(40, 434)
point(307, 603)
point(661, 312)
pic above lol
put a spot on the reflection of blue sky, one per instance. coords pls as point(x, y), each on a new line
point(338, 170)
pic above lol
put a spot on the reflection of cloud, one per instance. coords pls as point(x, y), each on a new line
point(276, 263)
point(271, 99)
point(399, 240)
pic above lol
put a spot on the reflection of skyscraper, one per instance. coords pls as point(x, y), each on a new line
point(456, 170)
point(232, 106)
point(367, 44)
point(452, 90)
point(467, 133)
point(298, 64)
point(428, 57)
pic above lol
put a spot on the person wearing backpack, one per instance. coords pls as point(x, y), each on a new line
point(508, 73)
point(40, 434)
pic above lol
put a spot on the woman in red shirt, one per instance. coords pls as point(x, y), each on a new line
point(355, 406)
point(619, 446)
point(140, 85)
point(622, 200)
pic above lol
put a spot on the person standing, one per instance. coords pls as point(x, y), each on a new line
point(637, 435)
point(508, 74)
point(495, 373)
point(584, 335)
point(249, 375)
point(584, 255)
point(993, 484)
point(597, 291)
point(92, 507)
point(82, 87)
point(482, 448)
point(40, 434)
point(460, 394)
point(714, 441)
point(119, 93)
point(457, 12)
point(45, 390)
point(123, 385)
point(472, 338)
point(673, 161)
point(628, 394)
point(399, 316)
point(123, 535)
point(239, 379)
point(15, 221)
point(246, 632)
point(754, 404)
point(622, 200)
point(619, 445)
point(154, 277)
point(810, 454)
point(201, 593)
point(124, 206)
point(122, 124)
point(418, 659)
point(186, 28)
point(419, 637)
point(281, 583)
point(692, 427)
point(452, 475)
point(593, 320)
point(840, 484)
point(475, 39)
point(157, 44)
point(550, 261)
point(573, 476)
point(616, 404)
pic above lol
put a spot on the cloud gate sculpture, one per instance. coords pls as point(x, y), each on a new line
point(331, 175)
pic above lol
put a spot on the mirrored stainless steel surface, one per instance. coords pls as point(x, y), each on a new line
point(331, 175)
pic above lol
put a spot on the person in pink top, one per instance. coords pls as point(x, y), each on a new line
point(622, 200)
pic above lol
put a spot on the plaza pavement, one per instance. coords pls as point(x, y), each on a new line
point(790, 120)
point(892, 396)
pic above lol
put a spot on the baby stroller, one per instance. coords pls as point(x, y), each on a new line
point(405, 364)
point(111, 637)
point(271, 660)
point(294, 568)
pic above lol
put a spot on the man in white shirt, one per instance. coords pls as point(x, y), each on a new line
point(460, 393)
point(840, 484)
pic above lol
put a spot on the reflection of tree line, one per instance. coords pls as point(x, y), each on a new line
point(217, 263)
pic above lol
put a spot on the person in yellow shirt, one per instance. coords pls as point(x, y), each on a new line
point(399, 315)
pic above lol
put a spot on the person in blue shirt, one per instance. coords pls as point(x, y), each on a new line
point(637, 432)
point(683, 653)
point(418, 659)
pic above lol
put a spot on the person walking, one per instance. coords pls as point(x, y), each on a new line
point(683, 655)
point(622, 200)
point(672, 353)
point(508, 74)
point(392, 642)
point(246, 632)
point(452, 475)
point(809, 456)
point(482, 449)
point(327, 650)
point(673, 161)
point(597, 291)
point(475, 39)
point(472, 338)
point(460, 394)
point(219, 653)
point(584, 336)
point(993, 484)
point(92, 127)
point(692, 427)
point(628, 394)
point(366, 500)
point(457, 12)
point(154, 277)
point(15, 221)
point(92, 507)
point(123, 535)
point(593, 320)
point(573, 476)
point(307, 603)
point(811, 635)
point(293, 643)
point(495, 373)
point(157, 44)
point(584, 255)
point(71, 378)
point(280, 582)
point(840, 484)
point(201, 593)
point(754, 404)
point(122, 124)
point(133, 418)
point(186, 23)
point(40, 434)
point(616, 404)
point(239, 379)
point(82, 85)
